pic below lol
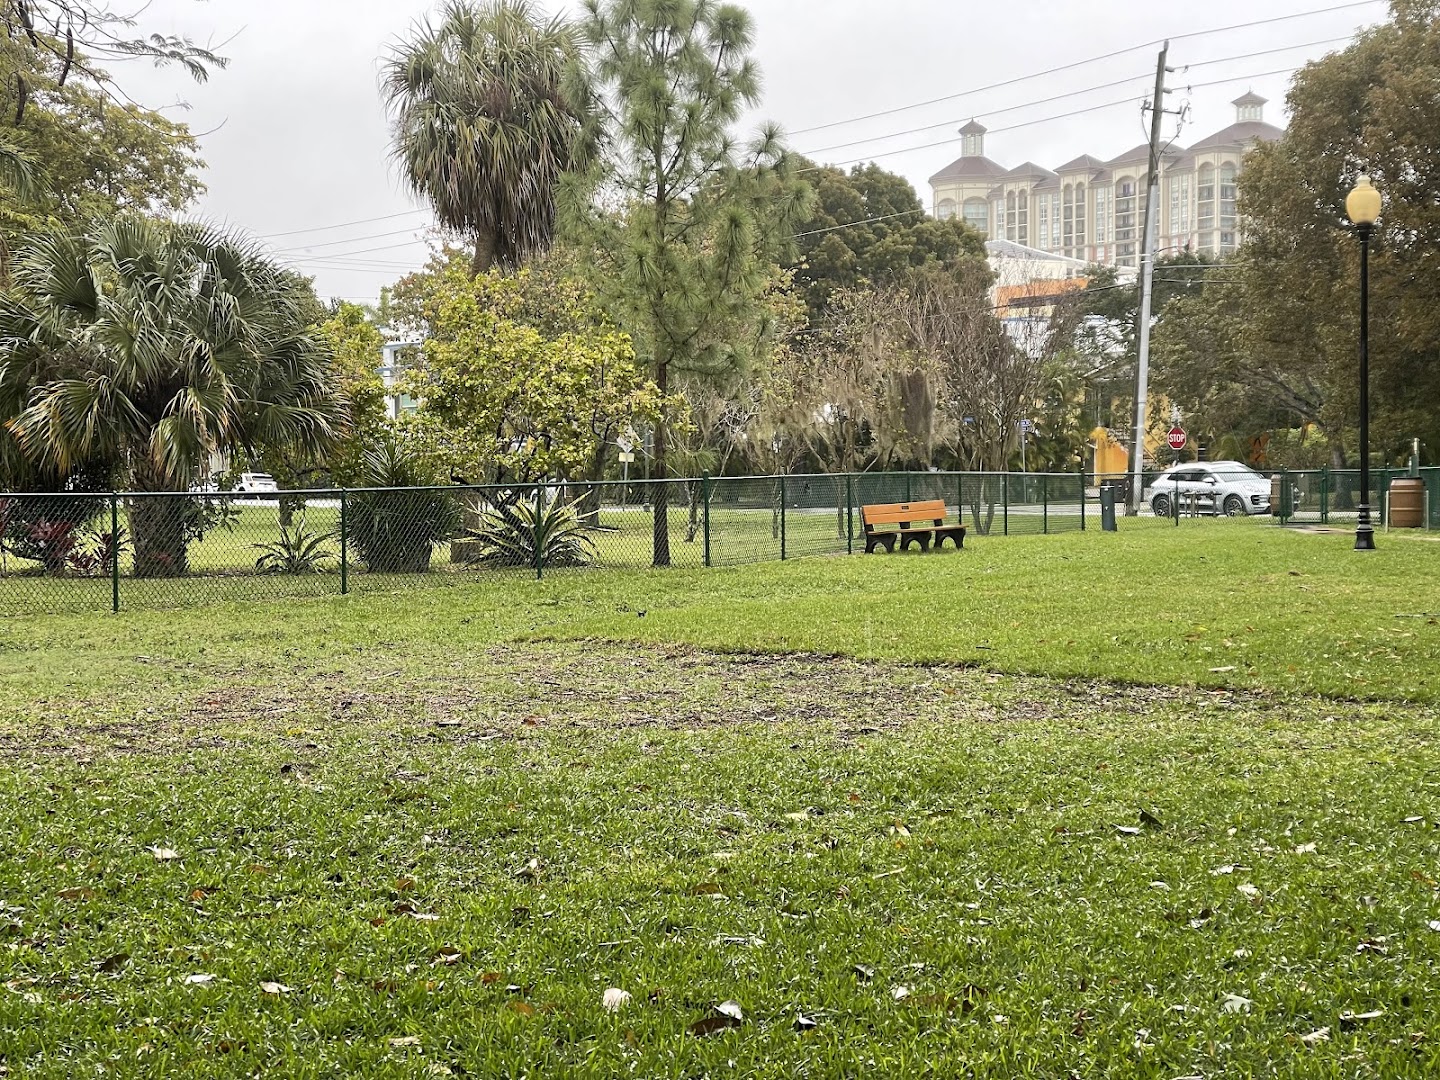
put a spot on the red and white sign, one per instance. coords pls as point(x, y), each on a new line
point(1177, 438)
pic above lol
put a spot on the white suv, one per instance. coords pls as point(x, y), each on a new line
point(256, 483)
point(1215, 487)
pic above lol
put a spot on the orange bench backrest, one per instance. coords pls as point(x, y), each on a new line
point(894, 513)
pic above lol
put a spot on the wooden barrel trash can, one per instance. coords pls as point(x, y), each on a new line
point(1407, 502)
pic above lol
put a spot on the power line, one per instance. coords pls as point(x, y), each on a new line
point(1082, 63)
point(342, 225)
point(351, 240)
point(1074, 93)
point(1129, 100)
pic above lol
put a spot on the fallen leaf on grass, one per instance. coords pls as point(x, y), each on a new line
point(615, 999)
point(1305, 849)
point(1128, 830)
point(198, 979)
point(530, 871)
point(1317, 1036)
point(274, 988)
point(490, 978)
point(523, 1008)
point(405, 1040)
point(164, 854)
point(1434, 924)
point(1234, 1003)
point(447, 955)
point(1349, 1021)
point(708, 888)
point(900, 993)
point(113, 963)
point(727, 1014)
point(78, 893)
point(1248, 890)
point(1222, 670)
point(890, 873)
point(863, 972)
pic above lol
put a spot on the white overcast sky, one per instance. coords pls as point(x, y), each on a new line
point(297, 138)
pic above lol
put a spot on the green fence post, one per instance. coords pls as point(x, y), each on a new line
point(1285, 507)
point(849, 514)
point(705, 509)
point(344, 543)
point(114, 552)
point(1045, 502)
point(782, 517)
point(537, 537)
point(1325, 495)
point(1005, 502)
point(1082, 498)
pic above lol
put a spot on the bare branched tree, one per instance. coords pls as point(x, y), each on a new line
point(74, 36)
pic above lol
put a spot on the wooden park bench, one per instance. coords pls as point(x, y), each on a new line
point(923, 522)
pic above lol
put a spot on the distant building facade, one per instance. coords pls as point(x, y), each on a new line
point(1093, 211)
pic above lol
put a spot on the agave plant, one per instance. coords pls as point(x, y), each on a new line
point(533, 532)
point(298, 551)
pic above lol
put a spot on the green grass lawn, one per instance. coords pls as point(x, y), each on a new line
point(1161, 803)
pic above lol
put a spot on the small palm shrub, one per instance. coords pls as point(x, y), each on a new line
point(395, 531)
point(298, 551)
point(511, 532)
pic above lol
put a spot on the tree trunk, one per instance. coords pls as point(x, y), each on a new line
point(157, 524)
point(590, 503)
point(484, 257)
point(659, 490)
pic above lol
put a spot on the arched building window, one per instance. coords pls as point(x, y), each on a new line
point(1012, 216)
point(1023, 236)
point(946, 210)
point(977, 215)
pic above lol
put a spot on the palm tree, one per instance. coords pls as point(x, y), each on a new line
point(18, 171)
point(490, 111)
point(145, 347)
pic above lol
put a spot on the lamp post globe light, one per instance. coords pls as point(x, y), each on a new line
point(1362, 206)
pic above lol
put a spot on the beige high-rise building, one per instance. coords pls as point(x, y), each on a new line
point(1094, 210)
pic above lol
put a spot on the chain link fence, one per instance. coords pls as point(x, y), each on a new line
point(1326, 496)
point(101, 551)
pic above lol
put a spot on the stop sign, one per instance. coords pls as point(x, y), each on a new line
point(1177, 438)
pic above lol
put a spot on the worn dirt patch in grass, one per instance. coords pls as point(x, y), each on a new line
point(500, 692)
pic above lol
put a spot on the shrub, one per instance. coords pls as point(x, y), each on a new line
point(298, 551)
point(511, 532)
point(396, 530)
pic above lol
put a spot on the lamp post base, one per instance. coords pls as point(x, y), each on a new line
point(1364, 532)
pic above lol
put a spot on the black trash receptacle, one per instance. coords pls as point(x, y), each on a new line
point(1107, 507)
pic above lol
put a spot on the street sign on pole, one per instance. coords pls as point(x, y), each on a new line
point(1177, 438)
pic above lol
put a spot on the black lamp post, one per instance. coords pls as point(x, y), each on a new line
point(1363, 207)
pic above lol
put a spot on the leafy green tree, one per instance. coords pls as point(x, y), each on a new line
point(868, 227)
point(699, 231)
point(490, 113)
point(146, 348)
point(1368, 108)
point(97, 158)
point(352, 344)
point(524, 378)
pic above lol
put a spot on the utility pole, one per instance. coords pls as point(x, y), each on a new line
point(1147, 275)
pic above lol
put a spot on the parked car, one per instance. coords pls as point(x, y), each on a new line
point(1215, 487)
point(259, 483)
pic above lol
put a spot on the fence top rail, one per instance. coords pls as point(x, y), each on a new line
point(530, 485)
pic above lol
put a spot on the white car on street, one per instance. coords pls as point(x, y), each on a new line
point(1212, 487)
point(256, 483)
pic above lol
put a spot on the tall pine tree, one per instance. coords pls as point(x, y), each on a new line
point(699, 223)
